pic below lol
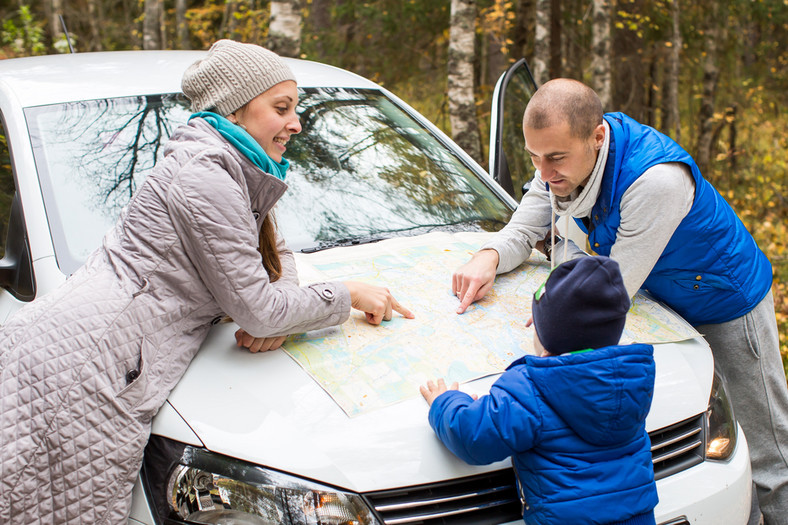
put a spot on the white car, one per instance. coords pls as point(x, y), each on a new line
point(255, 438)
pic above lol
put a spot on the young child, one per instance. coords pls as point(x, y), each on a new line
point(572, 418)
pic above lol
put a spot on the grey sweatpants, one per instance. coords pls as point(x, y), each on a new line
point(747, 351)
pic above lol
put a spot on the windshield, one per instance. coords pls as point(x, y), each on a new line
point(361, 170)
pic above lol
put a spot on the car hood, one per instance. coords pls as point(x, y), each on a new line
point(266, 409)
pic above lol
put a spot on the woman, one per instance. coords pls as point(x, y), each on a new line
point(85, 368)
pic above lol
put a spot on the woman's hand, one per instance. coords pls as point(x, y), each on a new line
point(258, 344)
point(376, 302)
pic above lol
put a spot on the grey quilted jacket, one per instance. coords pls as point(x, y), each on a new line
point(84, 368)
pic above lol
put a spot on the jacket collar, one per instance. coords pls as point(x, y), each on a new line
point(264, 189)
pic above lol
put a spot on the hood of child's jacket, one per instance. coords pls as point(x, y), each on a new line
point(603, 395)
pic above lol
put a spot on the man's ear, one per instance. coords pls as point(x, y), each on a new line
point(599, 136)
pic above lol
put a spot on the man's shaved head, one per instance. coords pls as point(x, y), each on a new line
point(564, 100)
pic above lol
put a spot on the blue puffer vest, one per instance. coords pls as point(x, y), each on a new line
point(711, 271)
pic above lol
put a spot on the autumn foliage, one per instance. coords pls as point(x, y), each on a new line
point(753, 177)
point(733, 74)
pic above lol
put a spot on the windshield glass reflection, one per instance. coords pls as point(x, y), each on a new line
point(362, 169)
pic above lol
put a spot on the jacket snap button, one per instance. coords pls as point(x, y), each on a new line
point(698, 278)
point(256, 214)
point(696, 287)
point(328, 294)
point(216, 320)
point(596, 245)
point(131, 375)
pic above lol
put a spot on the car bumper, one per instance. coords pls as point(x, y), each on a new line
point(699, 496)
point(710, 493)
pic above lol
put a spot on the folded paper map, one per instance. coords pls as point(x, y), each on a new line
point(363, 367)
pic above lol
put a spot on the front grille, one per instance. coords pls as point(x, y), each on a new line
point(678, 521)
point(492, 498)
point(677, 447)
point(479, 500)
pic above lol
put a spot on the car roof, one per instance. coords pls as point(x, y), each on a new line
point(51, 79)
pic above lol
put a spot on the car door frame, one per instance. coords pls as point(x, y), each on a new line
point(516, 86)
point(517, 76)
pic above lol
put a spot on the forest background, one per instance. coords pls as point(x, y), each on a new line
point(711, 74)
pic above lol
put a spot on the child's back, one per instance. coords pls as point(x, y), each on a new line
point(573, 423)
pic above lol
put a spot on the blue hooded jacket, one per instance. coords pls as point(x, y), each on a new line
point(575, 428)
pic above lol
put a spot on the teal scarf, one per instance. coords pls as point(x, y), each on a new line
point(243, 142)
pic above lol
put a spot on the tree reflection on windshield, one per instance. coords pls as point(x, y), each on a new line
point(112, 143)
point(361, 169)
point(364, 169)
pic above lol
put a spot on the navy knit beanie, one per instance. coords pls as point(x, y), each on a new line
point(583, 305)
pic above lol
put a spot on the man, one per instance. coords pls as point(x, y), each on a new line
point(642, 201)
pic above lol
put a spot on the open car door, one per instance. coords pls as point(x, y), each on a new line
point(509, 164)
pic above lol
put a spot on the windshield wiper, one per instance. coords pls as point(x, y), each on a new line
point(348, 241)
point(452, 227)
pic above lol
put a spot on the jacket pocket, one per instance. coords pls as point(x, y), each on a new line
point(703, 281)
point(138, 378)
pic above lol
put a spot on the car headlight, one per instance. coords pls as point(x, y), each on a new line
point(190, 484)
point(720, 423)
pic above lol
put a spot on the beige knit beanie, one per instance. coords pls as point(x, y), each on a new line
point(231, 75)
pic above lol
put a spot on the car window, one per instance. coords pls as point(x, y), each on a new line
point(510, 165)
point(361, 169)
point(6, 188)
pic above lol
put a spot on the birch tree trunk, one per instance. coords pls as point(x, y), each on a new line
point(55, 27)
point(150, 25)
point(162, 26)
point(462, 106)
point(181, 26)
point(671, 122)
point(711, 73)
point(601, 60)
point(541, 58)
point(284, 30)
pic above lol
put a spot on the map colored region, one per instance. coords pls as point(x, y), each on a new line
point(364, 367)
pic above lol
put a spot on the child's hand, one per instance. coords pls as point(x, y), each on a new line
point(430, 391)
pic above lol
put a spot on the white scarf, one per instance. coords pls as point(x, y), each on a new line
point(581, 201)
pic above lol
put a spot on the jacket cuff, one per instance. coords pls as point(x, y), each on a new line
point(337, 295)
